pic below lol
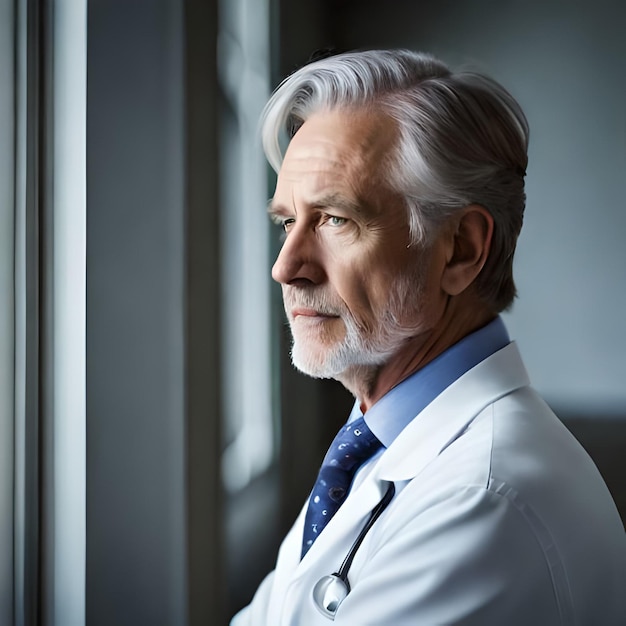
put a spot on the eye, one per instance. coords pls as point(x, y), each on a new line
point(333, 220)
point(287, 223)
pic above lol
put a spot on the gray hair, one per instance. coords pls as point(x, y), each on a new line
point(463, 140)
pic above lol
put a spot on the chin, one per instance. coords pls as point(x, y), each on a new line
point(312, 362)
point(335, 361)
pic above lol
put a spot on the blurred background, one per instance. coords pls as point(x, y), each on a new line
point(155, 442)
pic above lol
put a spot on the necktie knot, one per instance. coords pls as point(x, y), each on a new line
point(353, 445)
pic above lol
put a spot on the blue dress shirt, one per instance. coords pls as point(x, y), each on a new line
point(393, 412)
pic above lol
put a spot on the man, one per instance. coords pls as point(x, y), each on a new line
point(401, 194)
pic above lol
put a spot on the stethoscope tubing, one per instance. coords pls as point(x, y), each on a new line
point(374, 515)
point(330, 591)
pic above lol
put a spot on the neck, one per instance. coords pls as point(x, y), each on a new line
point(369, 384)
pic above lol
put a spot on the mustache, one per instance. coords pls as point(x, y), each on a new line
point(320, 301)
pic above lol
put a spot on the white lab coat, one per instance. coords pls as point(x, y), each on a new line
point(500, 518)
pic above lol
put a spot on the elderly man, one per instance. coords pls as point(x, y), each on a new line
point(453, 495)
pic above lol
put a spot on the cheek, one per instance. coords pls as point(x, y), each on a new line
point(363, 275)
point(353, 289)
point(364, 293)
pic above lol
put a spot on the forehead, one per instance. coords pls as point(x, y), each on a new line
point(337, 151)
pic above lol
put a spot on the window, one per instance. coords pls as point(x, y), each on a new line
point(43, 316)
point(244, 80)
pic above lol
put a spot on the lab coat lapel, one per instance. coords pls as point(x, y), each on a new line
point(364, 496)
point(448, 415)
point(330, 548)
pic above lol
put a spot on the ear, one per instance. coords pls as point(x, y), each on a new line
point(468, 246)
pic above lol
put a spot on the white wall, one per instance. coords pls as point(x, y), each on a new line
point(566, 63)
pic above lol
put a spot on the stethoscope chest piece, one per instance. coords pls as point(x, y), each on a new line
point(329, 592)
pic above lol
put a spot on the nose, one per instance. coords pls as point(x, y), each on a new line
point(298, 259)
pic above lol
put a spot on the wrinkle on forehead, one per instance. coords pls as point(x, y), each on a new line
point(341, 134)
point(338, 152)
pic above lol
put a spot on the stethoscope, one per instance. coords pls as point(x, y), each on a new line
point(330, 591)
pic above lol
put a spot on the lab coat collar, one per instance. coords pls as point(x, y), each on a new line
point(450, 413)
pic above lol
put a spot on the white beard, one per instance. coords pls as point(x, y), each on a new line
point(359, 349)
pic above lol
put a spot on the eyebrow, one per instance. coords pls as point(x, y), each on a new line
point(337, 201)
point(276, 211)
point(333, 200)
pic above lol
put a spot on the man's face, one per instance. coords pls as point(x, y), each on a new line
point(354, 288)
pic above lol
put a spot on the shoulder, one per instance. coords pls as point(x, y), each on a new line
point(498, 502)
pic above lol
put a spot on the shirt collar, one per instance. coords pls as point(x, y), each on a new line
point(391, 414)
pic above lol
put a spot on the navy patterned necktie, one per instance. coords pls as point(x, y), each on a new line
point(354, 444)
